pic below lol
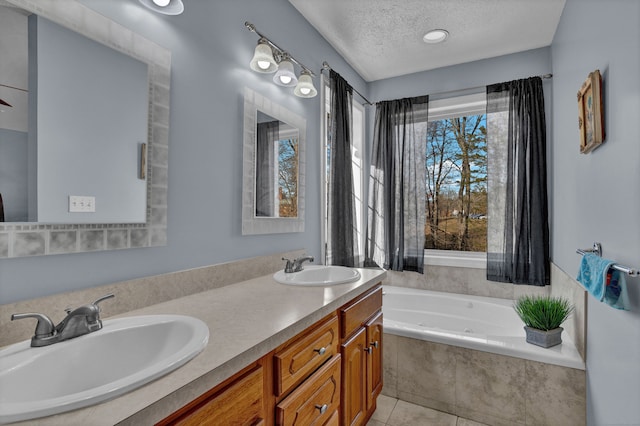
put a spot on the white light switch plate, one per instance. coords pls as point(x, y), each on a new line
point(82, 204)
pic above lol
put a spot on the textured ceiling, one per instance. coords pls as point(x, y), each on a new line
point(383, 38)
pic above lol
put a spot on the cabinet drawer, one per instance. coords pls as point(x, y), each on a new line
point(334, 420)
point(303, 356)
point(315, 401)
point(357, 313)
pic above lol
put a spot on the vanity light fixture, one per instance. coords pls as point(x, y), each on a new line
point(166, 7)
point(269, 58)
point(435, 36)
point(305, 88)
point(263, 60)
point(285, 76)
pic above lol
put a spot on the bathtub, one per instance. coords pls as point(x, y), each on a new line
point(473, 322)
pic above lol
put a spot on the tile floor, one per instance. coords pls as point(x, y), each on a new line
point(394, 412)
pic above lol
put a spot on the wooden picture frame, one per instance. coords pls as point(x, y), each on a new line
point(591, 113)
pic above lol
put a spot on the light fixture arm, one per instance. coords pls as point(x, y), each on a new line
point(280, 53)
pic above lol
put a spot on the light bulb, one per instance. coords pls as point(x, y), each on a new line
point(162, 3)
point(305, 90)
point(264, 64)
point(285, 79)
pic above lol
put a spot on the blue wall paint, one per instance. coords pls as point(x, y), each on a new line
point(595, 196)
point(89, 143)
point(457, 79)
point(13, 174)
point(211, 50)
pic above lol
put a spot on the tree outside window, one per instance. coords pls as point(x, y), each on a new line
point(456, 166)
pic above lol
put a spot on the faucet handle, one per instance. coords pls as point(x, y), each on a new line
point(289, 266)
point(103, 298)
point(44, 328)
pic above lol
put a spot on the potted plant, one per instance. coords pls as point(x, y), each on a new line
point(542, 316)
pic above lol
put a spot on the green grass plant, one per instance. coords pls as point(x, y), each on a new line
point(543, 312)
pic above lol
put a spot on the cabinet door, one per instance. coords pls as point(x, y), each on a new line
point(241, 403)
point(374, 359)
point(354, 383)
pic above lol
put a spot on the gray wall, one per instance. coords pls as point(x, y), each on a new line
point(211, 51)
point(13, 174)
point(92, 106)
point(595, 196)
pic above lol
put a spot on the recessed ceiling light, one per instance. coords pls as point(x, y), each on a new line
point(435, 36)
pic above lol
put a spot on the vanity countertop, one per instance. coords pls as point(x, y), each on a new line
point(246, 321)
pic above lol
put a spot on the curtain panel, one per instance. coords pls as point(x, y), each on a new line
point(518, 226)
point(267, 137)
point(397, 186)
point(342, 245)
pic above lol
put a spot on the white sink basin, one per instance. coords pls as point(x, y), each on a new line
point(125, 354)
point(318, 275)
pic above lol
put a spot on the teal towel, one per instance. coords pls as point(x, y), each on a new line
point(593, 277)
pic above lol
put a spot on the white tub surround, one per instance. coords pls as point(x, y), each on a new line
point(472, 322)
point(246, 320)
point(478, 368)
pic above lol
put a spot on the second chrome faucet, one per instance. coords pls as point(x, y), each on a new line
point(295, 265)
point(82, 320)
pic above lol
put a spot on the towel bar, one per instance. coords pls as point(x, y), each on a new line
point(597, 249)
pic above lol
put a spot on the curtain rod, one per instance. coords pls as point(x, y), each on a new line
point(325, 66)
point(465, 89)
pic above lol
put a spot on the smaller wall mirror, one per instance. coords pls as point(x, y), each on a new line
point(273, 169)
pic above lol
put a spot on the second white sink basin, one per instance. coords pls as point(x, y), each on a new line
point(318, 275)
point(125, 354)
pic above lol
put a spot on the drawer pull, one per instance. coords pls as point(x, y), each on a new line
point(320, 351)
point(375, 344)
point(368, 349)
point(322, 408)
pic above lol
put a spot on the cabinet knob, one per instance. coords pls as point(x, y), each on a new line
point(375, 344)
point(368, 349)
point(321, 351)
point(322, 408)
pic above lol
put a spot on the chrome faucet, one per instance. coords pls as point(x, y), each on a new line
point(82, 320)
point(295, 265)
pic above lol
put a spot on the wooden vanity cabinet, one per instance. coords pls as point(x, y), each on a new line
point(328, 375)
point(361, 349)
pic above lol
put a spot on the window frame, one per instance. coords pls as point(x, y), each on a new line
point(451, 107)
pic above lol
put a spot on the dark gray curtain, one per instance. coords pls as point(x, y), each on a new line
point(518, 228)
point(267, 135)
point(397, 186)
point(342, 245)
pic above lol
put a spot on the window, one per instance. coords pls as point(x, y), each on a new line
point(456, 165)
point(287, 174)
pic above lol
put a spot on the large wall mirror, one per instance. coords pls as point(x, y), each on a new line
point(88, 123)
point(273, 169)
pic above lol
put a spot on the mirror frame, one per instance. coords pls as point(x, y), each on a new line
point(18, 239)
point(252, 224)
